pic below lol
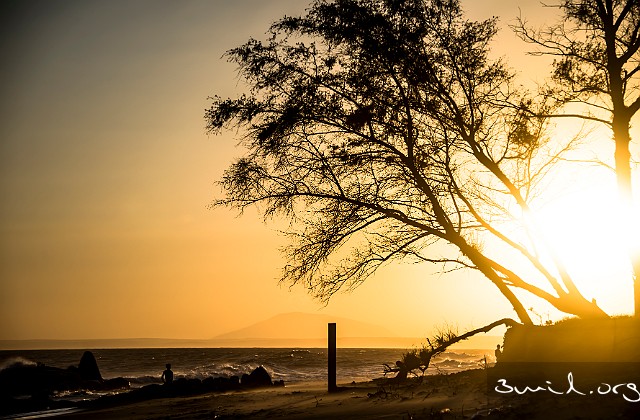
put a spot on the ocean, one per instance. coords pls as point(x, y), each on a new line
point(293, 365)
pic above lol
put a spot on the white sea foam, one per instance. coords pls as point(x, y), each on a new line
point(15, 361)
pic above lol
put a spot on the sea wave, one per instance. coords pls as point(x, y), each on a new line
point(16, 361)
point(144, 366)
point(78, 395)
point(138, 381)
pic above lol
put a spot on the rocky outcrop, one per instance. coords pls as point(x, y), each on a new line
point(28, 387)
point(38, 380)
point(88, 368)
point(258, 378)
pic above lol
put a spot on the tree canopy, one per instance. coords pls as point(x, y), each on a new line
point(380, 128)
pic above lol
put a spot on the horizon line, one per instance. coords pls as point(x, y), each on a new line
point(317, 342)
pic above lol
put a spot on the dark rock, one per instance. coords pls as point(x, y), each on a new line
point(88, 368)
point(40, 381)
point(220, 383)
point(185, 386)
point(150, 391)
point(259, 377)
point(115, 383)
point(209, 383)
point(19, 379)
point(225, 384)
point(245, 379)
point(179, 387)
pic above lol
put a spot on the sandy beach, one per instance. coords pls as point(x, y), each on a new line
point(461, 395)
point(456, 396)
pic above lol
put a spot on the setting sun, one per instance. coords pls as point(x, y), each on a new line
point(582, 221)
point(573, 224)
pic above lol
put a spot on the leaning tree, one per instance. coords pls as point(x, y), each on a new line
point(380, 128)
point(596, 51)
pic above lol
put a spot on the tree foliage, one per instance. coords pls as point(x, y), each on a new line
point(380, 128)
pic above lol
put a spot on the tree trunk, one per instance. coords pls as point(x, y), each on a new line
point(636, 287)
point(569, 302)
point(485, 268)
point(576, 304)
point(625, 189)
point(623, 159)
point(508, 322)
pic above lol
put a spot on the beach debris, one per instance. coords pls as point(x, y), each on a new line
point(418, 360)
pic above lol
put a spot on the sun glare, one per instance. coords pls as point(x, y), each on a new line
point(591, 234)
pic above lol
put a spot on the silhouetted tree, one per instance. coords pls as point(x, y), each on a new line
point(597, 64)
point(381, 127)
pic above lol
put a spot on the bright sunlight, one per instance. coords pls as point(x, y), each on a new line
point(578, 225)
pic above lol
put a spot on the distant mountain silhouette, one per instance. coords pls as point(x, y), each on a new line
point(295, 329)
point(300, 325)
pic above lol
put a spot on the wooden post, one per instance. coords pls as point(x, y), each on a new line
point(332, 357)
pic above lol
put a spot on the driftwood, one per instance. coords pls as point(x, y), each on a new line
point(505, 321)
point(420, 359)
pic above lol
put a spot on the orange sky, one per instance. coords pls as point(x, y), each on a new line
point(106, 172)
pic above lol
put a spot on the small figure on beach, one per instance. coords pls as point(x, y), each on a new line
point(498, 353)
point(402, 370)
point(167, 375)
